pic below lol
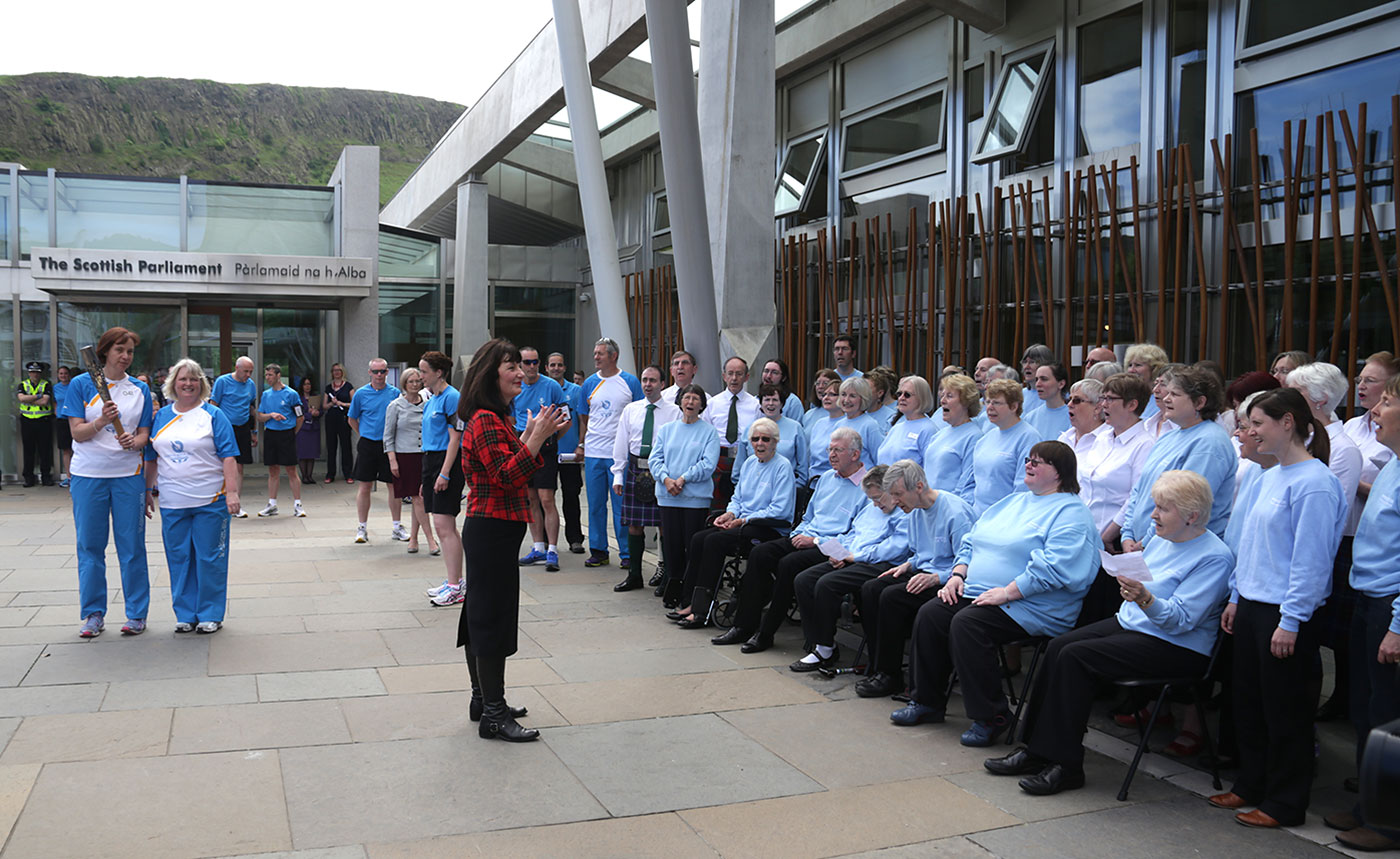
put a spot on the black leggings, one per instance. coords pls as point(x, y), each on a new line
point(338, 436)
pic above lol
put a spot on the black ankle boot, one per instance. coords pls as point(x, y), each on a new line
point(475, 708)
point(498, 724)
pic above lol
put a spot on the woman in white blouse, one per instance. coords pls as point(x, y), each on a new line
point(1370, 384)
point(1085, 419)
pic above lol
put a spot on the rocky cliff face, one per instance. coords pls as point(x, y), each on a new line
point(210, 130)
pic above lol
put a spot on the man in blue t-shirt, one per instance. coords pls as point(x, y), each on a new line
point(279, 411)
point(570, 469)
point(236, 395)
point(536, 393)
point(366, 417)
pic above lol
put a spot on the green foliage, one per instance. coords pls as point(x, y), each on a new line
point(95, 144)
point(43, 105)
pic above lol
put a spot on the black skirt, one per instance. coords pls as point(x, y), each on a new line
point(490, 619)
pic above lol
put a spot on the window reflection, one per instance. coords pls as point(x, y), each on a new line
point(1274, 19)
point(1110, 81)
point(1015, 99)
point(795, 174)
point(1189, 35)
point(33, 212)
point(907, 128)
point(122, 214)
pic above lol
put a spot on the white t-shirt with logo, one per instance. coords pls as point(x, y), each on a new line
point(102, 455)
point(191, 448)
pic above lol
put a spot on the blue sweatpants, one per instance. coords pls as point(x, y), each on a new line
point(123, 499)
point(597, 477)
point(196, 550)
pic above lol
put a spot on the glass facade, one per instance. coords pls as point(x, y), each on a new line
point(1274, 19)
point(261, 220)
point(910, 127)
point(1013, 104)
point(81, 325)
point(33, 193)
point(1110, 81)
point(408, 321)
point(10, 376)
point(6, 193)
point(125, 214)
point(408, 256)
point(292, 338)
point(34, 333)
point(538, 315)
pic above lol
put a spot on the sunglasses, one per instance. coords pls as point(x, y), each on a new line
point(379, 372)
point(1078, 401)
point(902, 394)
point(758, 438)
point(530, 363)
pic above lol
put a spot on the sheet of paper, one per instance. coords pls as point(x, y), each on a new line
point(834, 550)
point(1128, 565)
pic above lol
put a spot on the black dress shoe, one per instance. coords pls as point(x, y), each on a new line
point(1052, 780)
point(878, 685)
point(694, 623)
point(474, 711)
point(627, 584)
point(1019, 762)
point(733, 635)
point(674, 615)
point(757, 644)
point(831, 661)
point(655, 582)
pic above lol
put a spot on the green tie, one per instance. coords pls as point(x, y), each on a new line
point(731, 429)
point(647, 426)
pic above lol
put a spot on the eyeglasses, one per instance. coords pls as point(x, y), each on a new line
point(1030, 460)
point(379, 372)
point(1105, 398)
point(1079, 401)
point(902, 394)
point(758, 438)
point(530, 363)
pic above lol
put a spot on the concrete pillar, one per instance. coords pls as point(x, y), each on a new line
point(674, 80)
point(357, 175)
point(592, 182)
point(471, 298)
point(737, 128)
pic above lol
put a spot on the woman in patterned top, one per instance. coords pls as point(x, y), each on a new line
point(498, 466)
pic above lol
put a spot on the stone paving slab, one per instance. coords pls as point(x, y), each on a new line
point(434, 714)
point(16, 661)
point(114, 656)
point(15, 783)
point(89, 736)
point(257, 726)
point(1103, 778)
point(653, 697)
point(270, 654)
point(453, 676)
point(958, 847)
point(648, 835)
point(588, 667)
point(306, 685)
point(41, 700)
point(180, 692)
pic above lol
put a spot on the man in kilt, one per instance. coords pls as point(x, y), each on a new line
point(632, 445)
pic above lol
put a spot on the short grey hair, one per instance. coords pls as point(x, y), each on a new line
point(863, 389)
point(609, 344)
point(1092, 389)
point(1102, 370)
point(1321, 383)
point(1001, 371)
point(766, 425)
point(1039, 353)
point(906, 473)
point(1187, 491)
point(849, 436)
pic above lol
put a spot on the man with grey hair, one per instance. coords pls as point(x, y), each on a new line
point(979, 372)
point(603, 397)
point(772, 566)
point(366, 417)
point(236, 395)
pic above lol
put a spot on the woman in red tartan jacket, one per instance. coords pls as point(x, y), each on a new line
point(498, 466)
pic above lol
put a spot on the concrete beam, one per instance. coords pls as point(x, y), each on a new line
point(544, 160)
point(985, 15)
point(631, 79)
point(815, 37)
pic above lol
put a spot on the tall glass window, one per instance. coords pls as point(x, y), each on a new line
point(1110, 81)
point(795, 177)
point(122, 214)
point(1189, 34)
point(34, 333)
point(33, 211)
point(5, 193)
point(11, 376)
point(408, 321)
point(261, 219)
point(81, 325)
point(292, 338)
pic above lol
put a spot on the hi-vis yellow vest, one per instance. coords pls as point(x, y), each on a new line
point(34, 410)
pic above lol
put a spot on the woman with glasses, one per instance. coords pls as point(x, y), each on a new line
point(910, 436)
point(682, 464)
point(1000, 453)
point(403, 444)
point(792, 444)
point(1085, 418)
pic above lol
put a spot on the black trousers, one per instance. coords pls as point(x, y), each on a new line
point(1275, 700)
point(819, 592)
point(1375, 688)
point(678, 525)
point(1102, 601)
point(887, 612)
point(570, 485)
point(338, 438)
point(37, 435)
point(962, 637)
point(489, 625)
point(1073, 665)
point(708, 549)
point(772, 567)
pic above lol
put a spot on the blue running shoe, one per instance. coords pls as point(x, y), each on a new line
point(551, 562)
point(984, 733)
point(533, 558)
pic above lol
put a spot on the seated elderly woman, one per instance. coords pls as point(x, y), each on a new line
point(1000, 453)
point(878, 539)
point(1021, 572)
point(947, 461)
point(1165, 627)
point(760, 510)
point(938, 520)
point(792, 443)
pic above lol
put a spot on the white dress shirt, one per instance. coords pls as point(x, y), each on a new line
point(716, 413)
point(1157, 425)
point(1114, 467)
point(1374, 455)
point(1347, 462)
point(628, 440)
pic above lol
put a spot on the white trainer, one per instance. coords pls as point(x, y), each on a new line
point(298, 511)
point(361, 534)
point(269, 510)
point(399, 533)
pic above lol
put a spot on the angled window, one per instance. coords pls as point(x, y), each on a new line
point(1283, 21)
point(797, 173)
point(911, 127)
point(1017, 98)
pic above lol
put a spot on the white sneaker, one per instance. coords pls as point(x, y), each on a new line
point(434, 591)
point(241, 514)
point(298, 511)
point(361, 534)
point(450, 595)
point(399, 533)
point(269, 510)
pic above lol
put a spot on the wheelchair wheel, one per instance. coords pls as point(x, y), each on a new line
point(725, 612)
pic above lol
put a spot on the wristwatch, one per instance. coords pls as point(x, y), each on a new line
point(154, 490)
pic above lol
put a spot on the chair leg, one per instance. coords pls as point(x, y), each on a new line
point(1025, 693)
point(1001, 663)
point(1205, 734)
point(1145, 733)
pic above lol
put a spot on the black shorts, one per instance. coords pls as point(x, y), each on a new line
point(244, 436)
point(548, 475)
point(371, 462)
point(448, 502)
point(64, 433)
point(279, 447)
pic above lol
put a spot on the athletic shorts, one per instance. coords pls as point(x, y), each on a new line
point(448, 502)
point(64, 433)
point(547, 477)
point(371, 462)
point(244, 436)
point(279, 447)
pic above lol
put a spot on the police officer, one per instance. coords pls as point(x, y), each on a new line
point(35, 395)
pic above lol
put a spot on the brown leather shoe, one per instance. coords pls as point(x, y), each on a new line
point(1227, 800)
point(1343, 820)
point(1369, 840)
point(1256, 819)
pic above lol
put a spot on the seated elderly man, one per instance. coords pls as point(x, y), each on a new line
point(836, 499)
point(1022, 571)
point(938, 521)
point(876, 541)
point(1166, 627)
point(760, 509)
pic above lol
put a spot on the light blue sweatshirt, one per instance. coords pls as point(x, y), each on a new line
point(1047, 545)
point(948, 460)
point(812, 415)
point(792, 408)
point(1190, 582)
point(818, 439)
point(835, 502)
point(871, 436)
point(766, 491)
point(908, 440)
point(1290, 539)
point(1375, 554)
point(877, 537)
point(1050, 423)
point(1247, 479)
point(685, 450)
point(1205, 449)
point(884, 416)
point(792, 446)
point(999, 463)
point(936, 533)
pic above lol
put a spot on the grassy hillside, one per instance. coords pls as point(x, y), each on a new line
point(210, 130)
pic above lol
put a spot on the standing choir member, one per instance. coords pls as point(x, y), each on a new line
point(948, 459)
point(1146, 360)
point(1001, 452)
point(856, 397)
point(776, 373)
point(636, 436)
point(498, 465)
point(730, 412)
point(1051, 387)
point(1085, 420)
point(107, 482)
point(914, 431)
point(819, 430)
point(823, 379)
point(792, 439)
point(1282, 575)
point(682, 464)
point(192, 473)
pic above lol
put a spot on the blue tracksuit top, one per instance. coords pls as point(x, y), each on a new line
point(792, 446)
point(936, 534)
point(818, 439)
point(1375, 558)
point(767, 490)
point(1047, 545)
point(1205, 449)
point(1190, 581)
point(907, 440)
point(685, 450)
point(884, 417)
point(835, 502)
point(1289, 541)
point(999, 463)
point(1050, 423)
point(877, 537)
point(948, 460)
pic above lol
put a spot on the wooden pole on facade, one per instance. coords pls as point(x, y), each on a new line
point(1338, 278)
point(1290, 228)
point(1314, 287)
point(1200, 252)
point(1365, 209)
point(1361, 200)
point(1139, 286)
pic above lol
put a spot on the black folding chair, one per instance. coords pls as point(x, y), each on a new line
point(1039, 642)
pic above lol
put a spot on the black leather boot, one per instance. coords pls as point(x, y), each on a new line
point(475, 707)
point(497, 723)
point(635, 544)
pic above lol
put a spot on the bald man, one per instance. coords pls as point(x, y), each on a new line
point(1097, 354)
point(236, 394)
point(979, 373)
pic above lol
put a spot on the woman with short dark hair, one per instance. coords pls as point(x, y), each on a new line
point(682, 464)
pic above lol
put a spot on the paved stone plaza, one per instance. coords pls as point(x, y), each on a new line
point(328, 720)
